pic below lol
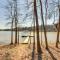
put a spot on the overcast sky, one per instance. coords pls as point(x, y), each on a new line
point(22, 10)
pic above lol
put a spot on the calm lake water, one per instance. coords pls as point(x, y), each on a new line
point(5, 36)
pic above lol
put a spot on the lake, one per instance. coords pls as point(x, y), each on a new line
point(5, 36)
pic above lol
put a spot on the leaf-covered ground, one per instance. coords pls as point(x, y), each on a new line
point(25, 52)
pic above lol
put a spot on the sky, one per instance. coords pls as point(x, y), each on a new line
point(22, 10)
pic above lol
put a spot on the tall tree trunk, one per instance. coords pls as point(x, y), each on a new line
point(43, 25)
point(16, 33)
point(37, 28)
point(33, 53)
point(57, 41)
point(12, 32)
point(15, 16)
point(18, 36)
point(12, 18)
point(41, 34)
point(46, 7)
point(34, 29)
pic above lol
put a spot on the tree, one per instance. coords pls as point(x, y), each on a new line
point(9, 9)
point(16, 20)
point(37, 28)
point(18, 36)
point(56, 5)
point(13, 11)
point(43, 25)
point(58, 28)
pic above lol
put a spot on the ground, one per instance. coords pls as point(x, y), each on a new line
point(12, 52)
point(25, 52)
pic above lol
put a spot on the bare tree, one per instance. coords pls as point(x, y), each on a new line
point(13, 11)
point(55, 4)
point(18, 35)
point(37, 28)
point(16, 20)
point(43, 25)
point(9, 9)
point(58, 28)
